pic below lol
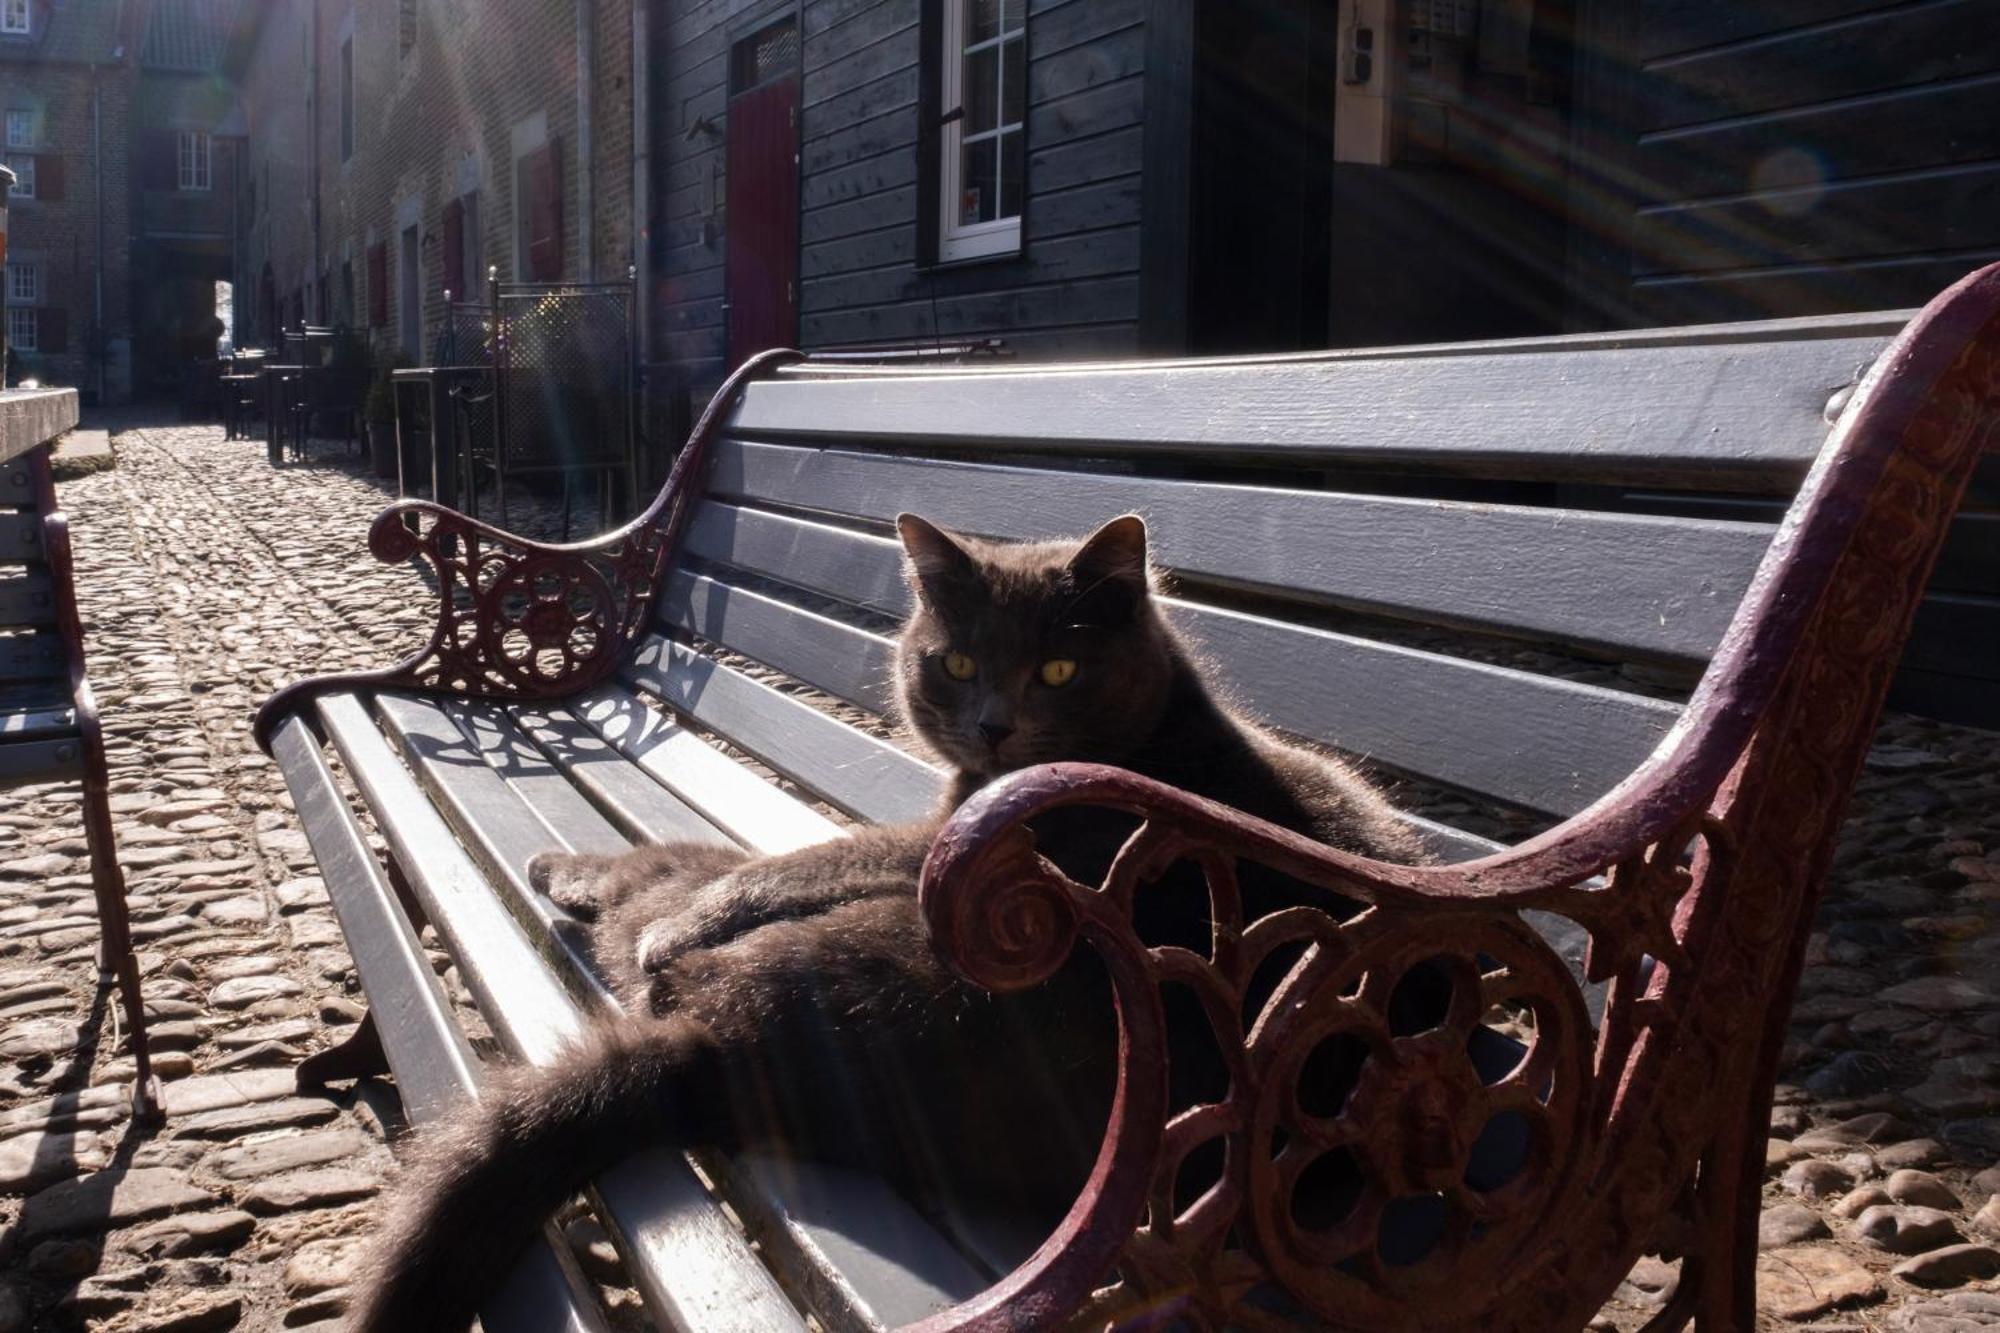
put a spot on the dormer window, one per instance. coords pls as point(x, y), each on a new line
point(14, 18)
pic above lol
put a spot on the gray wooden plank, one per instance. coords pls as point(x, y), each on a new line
point(27, 598)
point(510, 751)
point(435, 1068)
point(46, 760)
point(1651, 585)
point(750, 810)
point(1536, 741)
point(641, 808)
point(696, 1261)
point(37, 656)
point(1727, 413)
point(20, 536)
point(848, 769)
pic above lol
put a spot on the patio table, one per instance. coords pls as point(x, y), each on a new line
point(450, 466)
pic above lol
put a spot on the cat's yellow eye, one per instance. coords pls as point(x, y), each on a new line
point(960, 667)
point(1058, 671)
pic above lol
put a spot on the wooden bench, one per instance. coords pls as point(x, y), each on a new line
point(1413, 554)
point(49, 728)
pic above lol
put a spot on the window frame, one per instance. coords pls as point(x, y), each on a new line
point(194, 162)
point(1000, 237)
point(23, 167)
point(13, 26)
point(28, 318)
point(17, 115)
point(20, 292)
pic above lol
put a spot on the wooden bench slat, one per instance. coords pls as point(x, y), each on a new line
point(1733, 414)
point(1651, 585)
point(641, 808)
point(27, 598)
point(435, 1068)
point(750, 810)
point(510, 751)
point(867, 777)
point(37, 656)
point(21, 536)
point(1540, 742)
point(47, 760)
point(533, 1016)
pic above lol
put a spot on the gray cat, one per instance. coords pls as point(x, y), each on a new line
point(794, 1002)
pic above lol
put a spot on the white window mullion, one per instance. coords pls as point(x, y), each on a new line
point(999, 234)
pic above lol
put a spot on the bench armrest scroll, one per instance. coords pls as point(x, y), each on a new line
point(522, 619)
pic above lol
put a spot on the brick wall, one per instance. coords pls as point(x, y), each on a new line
point(484, 83)
point(58, 231)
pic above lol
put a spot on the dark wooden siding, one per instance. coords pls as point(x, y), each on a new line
point(1073, 290)
point(1795, 156)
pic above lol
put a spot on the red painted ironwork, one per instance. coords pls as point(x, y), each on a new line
point(116, 959)
point(521, 619)
point(1645, 1135)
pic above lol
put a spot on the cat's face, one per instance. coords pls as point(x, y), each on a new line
point(1030, 653)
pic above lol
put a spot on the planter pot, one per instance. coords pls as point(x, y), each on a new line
point(382, 447)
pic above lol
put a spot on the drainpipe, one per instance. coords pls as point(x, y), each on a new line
point(642, 249)
point(6, 184)
point(98, 340)
point(311, 293)
point(586, 173)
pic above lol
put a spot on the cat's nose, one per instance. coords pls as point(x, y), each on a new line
point(995, 732)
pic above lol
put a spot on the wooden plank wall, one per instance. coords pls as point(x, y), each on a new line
point(1073, 291)
point(1808, 156)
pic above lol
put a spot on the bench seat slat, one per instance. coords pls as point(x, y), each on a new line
point(1535, 571)
point(1732, 414)
point(848, 769)
point(27, 598)
point(544, 785)
point(533, 1016)
point(753, 812)
point(641, 808)
point(1536, 741)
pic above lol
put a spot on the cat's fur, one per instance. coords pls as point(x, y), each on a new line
point(794, 1001)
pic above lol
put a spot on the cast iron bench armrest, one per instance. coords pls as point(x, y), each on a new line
point(1712, 853)
point(519, 619)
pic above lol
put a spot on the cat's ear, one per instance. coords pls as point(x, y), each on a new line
point(936, 558)
point(1113, 557)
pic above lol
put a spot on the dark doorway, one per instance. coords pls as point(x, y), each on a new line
point(763, 192)
point(1259, 184)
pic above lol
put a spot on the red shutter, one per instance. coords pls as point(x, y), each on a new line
point(49, 177)
point(454, 250)
point(52, 329)
point(545, 213)
point(378, 285)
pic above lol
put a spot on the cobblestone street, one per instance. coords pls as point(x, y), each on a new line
point(209, 578)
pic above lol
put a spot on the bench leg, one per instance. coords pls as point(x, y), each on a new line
point(116, 962)
point(360, 1056)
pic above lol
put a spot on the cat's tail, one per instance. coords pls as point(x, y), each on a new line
point(478, 1187)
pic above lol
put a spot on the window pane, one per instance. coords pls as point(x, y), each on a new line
point(1012, 152)
point(1016, 15)
point(1014, 77)
point(20, 129)
point(982, 90)
point(976, 193)
point(982, 21)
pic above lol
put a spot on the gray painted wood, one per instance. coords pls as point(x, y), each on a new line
point(20, 536)
point(435, 1068)
point(1654, 586)
point(641, 808)
point(28, 598)
point(847, 768)
point(699, 1262)
point(1540, 742)
point(37, 656)
point(25, 720)
point(543, 784)
point(41, 760)
point(1725, 414)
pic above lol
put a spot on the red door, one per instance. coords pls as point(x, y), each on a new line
point(763, 217)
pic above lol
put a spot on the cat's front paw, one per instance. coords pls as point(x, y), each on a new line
point(570, 881)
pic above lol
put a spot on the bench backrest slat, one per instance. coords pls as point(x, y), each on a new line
point(1653, 585)
point(1724, 413)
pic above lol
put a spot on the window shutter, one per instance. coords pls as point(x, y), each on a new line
point(378, 285)
point(49, 177)
point(53, 328)
point(454, 249)
point(545, 213)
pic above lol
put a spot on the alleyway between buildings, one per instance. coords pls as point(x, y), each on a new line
point(209, 578)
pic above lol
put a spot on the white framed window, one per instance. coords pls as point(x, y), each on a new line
point(192, 158)
point(23, 167)
point(24, 284)
point(24, 328)
point(14, 16)
point(20, 129)
point(983, 88)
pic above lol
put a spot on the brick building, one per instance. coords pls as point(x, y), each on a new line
point(397, 148)
point(122, 138)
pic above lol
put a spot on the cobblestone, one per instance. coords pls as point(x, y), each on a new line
point(209, 579)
